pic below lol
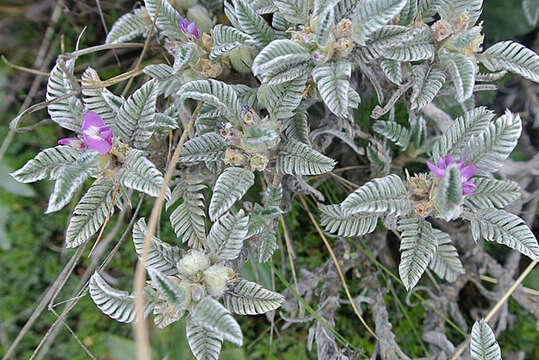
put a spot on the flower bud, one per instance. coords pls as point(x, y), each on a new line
point(343, 29)
point(344, 47)
point(201, 17)
point(215, 278)
point(193, 262)
point(258, 162)
point(241, 59)
point(441, 30)
point(185, 4)
point(209, 69)
point(234, 157)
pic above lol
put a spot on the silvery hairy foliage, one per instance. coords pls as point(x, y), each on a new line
point(258, 76)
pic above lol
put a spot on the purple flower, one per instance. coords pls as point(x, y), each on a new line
point(189, 28)
point(466, 172)
point(96, 134)
point(74, 143)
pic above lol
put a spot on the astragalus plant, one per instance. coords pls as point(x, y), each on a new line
point(272, 86)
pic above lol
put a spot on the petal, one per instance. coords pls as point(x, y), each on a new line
point(106, 133)
point(468, 171)
point(468, 188)
point(101, 145)
point(68, 141)
point(441, 163)
point(75, 143)
point(437, 171)
point(92, 119)
point(460, 163)
point(448, 160)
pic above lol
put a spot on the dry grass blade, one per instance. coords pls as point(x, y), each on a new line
point(337, 266)
point(141, 333)
point(497, 306)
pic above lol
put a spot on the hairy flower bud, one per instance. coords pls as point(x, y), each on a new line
point(441, 30)
point(209, 69)
point(199, 15)
point(234, 157)
point(193, 262)
point(344, 47)
point(343, 29)
point(241, 59)
point(460, 24)
point(215, 277)
point(258, 162)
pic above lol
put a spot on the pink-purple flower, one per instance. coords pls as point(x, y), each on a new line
point(95, 133)
point(466, 172)
point(188, 28)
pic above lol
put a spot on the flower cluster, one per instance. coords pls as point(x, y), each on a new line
point(466, 172)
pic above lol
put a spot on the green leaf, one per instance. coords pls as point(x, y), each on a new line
point(184, 55)
point(167, 18)
point(531, 11)
point(427, 83)
point(266, 246)
point(249, 298)
point(335, 221)
point(392, 70)
point(416, 45)
point(140, 174)
point(207, 147)
point(332, 82)
point(488, 149)
point(69, 111)
point(100, 100)
point(462, 71)
point(188, 219)
point(9, 184)
point(69, 178)
point(283, 99)
point(253, 24)
point(448, 197)
point(136, 118)
point(294, 11)
point(296, 158)
point(512, 56)
point(90, 213)
point(226, 236)
point(492, 193)
point(162, 257)
point(169, 287)
point(46, 164)
point(394, 132)
point(230, 187)
point(116, 304)
point(323, 31)
point(418, 245)
point(446, 263)
point(297, 126)
point(216, 93)
point(453, 141)
point(504, 228)
point(213, 316)
point(386, 194)
point(225, 39)
point(278, 56)
point(205, 344)
point(483, 345)
point(371, 15)
point(129, 27)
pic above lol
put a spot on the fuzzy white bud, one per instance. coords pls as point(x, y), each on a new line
point(215, 278)
point(193, 262)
